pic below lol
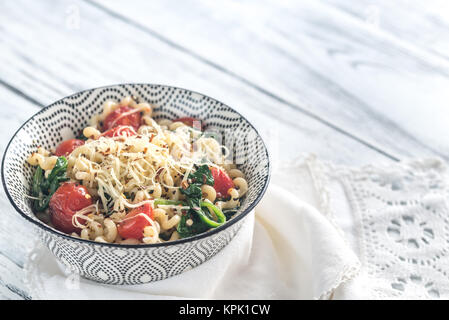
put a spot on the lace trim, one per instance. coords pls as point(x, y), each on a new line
point(348, 273)
point(402, 221)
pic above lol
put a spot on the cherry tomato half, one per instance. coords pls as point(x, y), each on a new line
point(191, 122)
point(66, 147)
point(222, 182)
point(133, 224)
point(65, 202)
point(119, 131)
point(116, 118)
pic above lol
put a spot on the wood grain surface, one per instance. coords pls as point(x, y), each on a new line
point(352, 81)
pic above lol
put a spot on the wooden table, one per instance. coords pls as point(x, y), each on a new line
point(352, 81)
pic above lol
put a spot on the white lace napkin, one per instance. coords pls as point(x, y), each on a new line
point(396, 218)
point(287, 250)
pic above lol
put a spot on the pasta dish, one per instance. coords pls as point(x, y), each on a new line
point(130, 179)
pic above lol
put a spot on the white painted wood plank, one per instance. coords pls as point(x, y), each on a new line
point(95, 58)
point(388, 92)
point(52, 67)
point(15, 232)
point(107, 50)
point(425, 24)
point(45, 70)
point(11, 280)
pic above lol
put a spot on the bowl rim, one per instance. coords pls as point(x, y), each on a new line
point(206, 234)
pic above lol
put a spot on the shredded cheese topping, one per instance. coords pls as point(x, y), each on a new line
point(132, 168)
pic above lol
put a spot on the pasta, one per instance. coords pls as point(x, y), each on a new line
point(209, 192)
point(241, 185)
point(134, 180)
point(43, 159)
point(232, 202)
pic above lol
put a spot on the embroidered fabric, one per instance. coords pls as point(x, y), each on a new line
point(401, 224)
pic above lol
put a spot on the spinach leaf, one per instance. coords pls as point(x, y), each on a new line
point(202, 176)
point(221, 218)
point(38, 178)
point(192, 192)
point(195, 180)
point(202, 219)
point(59, 169)
point(43, 188)
point(187, 231)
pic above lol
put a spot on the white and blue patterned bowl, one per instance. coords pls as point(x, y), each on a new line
point(133, 264)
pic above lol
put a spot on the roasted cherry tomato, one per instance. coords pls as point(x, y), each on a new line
point(66, 147)
point(133, 224)
point(119, 131)
point(191, 122)
point(222, 182)
point(117, 118)
point(65, 202)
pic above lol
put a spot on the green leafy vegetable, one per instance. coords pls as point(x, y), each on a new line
point(221, 218)
point(201, 176)
point(43, 188)
point(193, 194)
point(38, 178)
point(187, 231)
point(166, 202)
point(202, 219)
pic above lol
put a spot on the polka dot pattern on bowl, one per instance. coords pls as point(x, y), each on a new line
point(119, 264)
